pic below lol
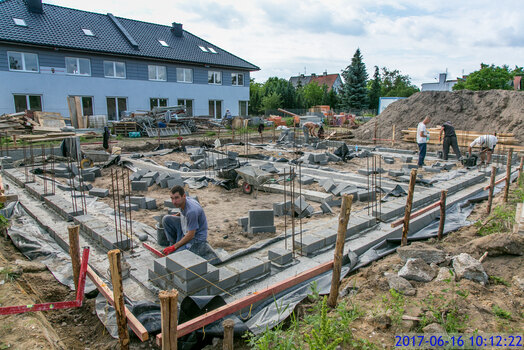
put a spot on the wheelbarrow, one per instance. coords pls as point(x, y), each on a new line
point(249, 178)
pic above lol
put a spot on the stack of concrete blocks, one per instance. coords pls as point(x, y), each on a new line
point(139, 202)
point(102, 233)
point(282, 208)
point(261, 221)
point(302, 208)
point(249, 268)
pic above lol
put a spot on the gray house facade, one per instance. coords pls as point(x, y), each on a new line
point(49, 53)
point(442, 85)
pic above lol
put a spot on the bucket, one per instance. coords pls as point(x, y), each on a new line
point(161, 236)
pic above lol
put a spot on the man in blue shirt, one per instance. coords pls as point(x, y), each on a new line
point(187, 229)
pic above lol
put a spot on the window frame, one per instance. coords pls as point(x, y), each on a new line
point(20, 22)
point(240, 102)
point(184, 74)
point(158, 101)
point(156, 72)
point(214, 74)
point(78, 65)
point(23, 59)
point(237, 75)
point(114, 70)
point(183, 101)
point(28, 101)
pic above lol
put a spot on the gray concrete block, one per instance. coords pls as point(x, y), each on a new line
point(306, 180)
point(244, 223)
point(389, 160)
point(365, 195)
point(168, 204)
point(135, 176)
point(432, 169)
point(184, 263)
point(174, 182)
point(395, 173)
point(365, 172)
point(128, 207)
point(339, 188)
point(160, 267)
point(86, 176)
point(326, 208)
point(409, 166)
point(351, 190)
point(227, 279)
point(140, 201)
point(151, 174)
point(232, 155)
point(260, 229)
point(261, 218)
point(139, 185)
point(196, 157)
point(279, 256)
point(406, 159)
point(333, 158)
point(309, 245)
point(150, 203)
point(158, 280)
point(199, 282)
point(328, 185)
point(249, 268)
point(282, 208)
point(320, 158)
point(334, 202)
point(300, 205)
point(160, 177)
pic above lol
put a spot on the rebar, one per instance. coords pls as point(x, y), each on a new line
point(130, 219)
point(285, 211)
point(118, 208)
point(44, 169)
point(126, 198)
point(114, 203)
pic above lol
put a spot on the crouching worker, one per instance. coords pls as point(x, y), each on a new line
point(187, 229)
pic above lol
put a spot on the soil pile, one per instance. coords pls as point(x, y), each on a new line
point(480, 111)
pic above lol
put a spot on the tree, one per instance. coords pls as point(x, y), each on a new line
point(255, 97)
point(272, 101)
point(374, 90)
point(395, 84)
point(283, 88)
point(354, 92)
point(488, 77)
point(312, 94)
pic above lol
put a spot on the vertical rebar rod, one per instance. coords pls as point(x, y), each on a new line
point(32, 163)
point(367, 177)
point(380, 189)
point(127, 200)
point(72, 186)
point(118, 202)
point(44, 169)
point(25, 164)
point(293, 211)
point(53, 177)
point(285, 211)
point(300, 196)
point(6, 144)
point(130, 219)
point(82, 187)
point(114, 203)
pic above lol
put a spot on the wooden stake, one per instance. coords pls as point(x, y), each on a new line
point(409, 203)
point(375, 133)
point(393, 136)
point(343, 221)
point(74, 252)
point(118, 294)
point(508, 175)
point(491, 188)
point(443, 195)
point(228, 325)
point(14, 143)
point(274, 131)
point(169, 310)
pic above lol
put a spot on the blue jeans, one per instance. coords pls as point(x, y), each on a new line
point(173, 230)
point(421, 153)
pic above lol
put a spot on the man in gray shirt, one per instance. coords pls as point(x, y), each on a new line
point(487, 145)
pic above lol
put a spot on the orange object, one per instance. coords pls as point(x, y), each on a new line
point(277, 120)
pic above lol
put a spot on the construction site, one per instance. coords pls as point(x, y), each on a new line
point(396, 248)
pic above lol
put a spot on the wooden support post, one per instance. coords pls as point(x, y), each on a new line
point(228, 325)
point(409, 203)
point(443, 195)
point(343, 221)
point(375, 132)
point(169, 310)
point(393, 136)
point(491, 188)
point(118, 294)
point(74, 251)
point(508, 175)
point(520, 171)
point(233, 133)
point(274, 131)
point(14, 140)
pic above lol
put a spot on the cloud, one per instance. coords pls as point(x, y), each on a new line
point(223, 15)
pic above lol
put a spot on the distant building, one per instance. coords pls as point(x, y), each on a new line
point(332, 81)
point(442, 85)
point(383, 102)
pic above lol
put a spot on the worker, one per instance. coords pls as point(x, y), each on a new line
point(450, 139)
point(422, 140)
point(487, 145)
point(320, 132)
point(261, 127)
point(309, 130)
point(228, 114)
point(106, 137)
point(187, 229)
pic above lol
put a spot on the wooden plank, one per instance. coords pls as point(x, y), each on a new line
point(409, 203)
point(72, 111)
point(8, 198)
point(74, 251)
point(415, 214)
point(135, 325)
point(78, 108)
point(118, 296)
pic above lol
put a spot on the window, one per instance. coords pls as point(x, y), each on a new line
point(115, 107)
point(214, 77)
point(22, 61)
point(158, 73)
point(215, 109)
point(237, 79)
point(32, 102)
point(242, 108)
point(20, 22)
point(188, 104)
point(113, 69)
point(78, 66)
point(87, 105)
point(157, 102)
point(212, 50)
point(88, 32)
point(203, 48)
point(184, 75)
point(163, 43)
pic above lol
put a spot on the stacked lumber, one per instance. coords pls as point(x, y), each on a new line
point(16, 123)
point(464, 138)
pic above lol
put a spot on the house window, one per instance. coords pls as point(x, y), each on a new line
point(113, 69)
point(212, 50)
point(203, 48)
point(184, 75)
point(78, 66)
point(23, 61)
point(87, 105)
point(242, 108)
point(157, 73)
point(88, 32)
point(157, 102)
point(163, 43)
point(237, 79)
point(214, 77)
point(115, 107)
point(215, 109)
point(188, 104)
point(20, 22)
point(32, 102)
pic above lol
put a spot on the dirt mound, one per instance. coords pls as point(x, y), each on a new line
point(480, 111)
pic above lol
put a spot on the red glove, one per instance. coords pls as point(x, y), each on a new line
point(169, 250)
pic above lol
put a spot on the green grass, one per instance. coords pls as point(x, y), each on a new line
point(8, 274)
point(501, 219)
point(501, 313)
point(499, 280)
point(394, 305)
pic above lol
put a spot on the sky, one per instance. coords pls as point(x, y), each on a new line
point(420, 38)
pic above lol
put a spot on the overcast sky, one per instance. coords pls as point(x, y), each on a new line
point(421, 38)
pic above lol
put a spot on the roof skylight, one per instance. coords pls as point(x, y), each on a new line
point(203, 48)
point(163, 43)
point(20, 22)
point(88, 32)
point(211, 49)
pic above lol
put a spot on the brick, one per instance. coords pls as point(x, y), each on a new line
point(99, 192)
point(395, 173)
point(139, 185)
point(261, 218)
point(309, 244)
point(190, 286)
point(249, 268)
point(279, 256)
point(326, 208)
point(174, 182)
point(306, 180)
point(243, 222)
point(152, 174)
point(184, 263)
point(140, 201)
point(260, 229)
point(150, 203)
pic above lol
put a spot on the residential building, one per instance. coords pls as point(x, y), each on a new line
point(332, 81)
point(442, 85)
point(49, 53)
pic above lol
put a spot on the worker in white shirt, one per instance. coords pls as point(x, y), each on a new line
point(487, 145)
point(422, 140)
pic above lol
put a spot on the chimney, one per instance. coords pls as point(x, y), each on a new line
point(177, 29)
point(313, 75)
point(34, 6)
point(325, 72)
point(442, 78)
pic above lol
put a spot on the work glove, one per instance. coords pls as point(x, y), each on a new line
point(169, 250)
